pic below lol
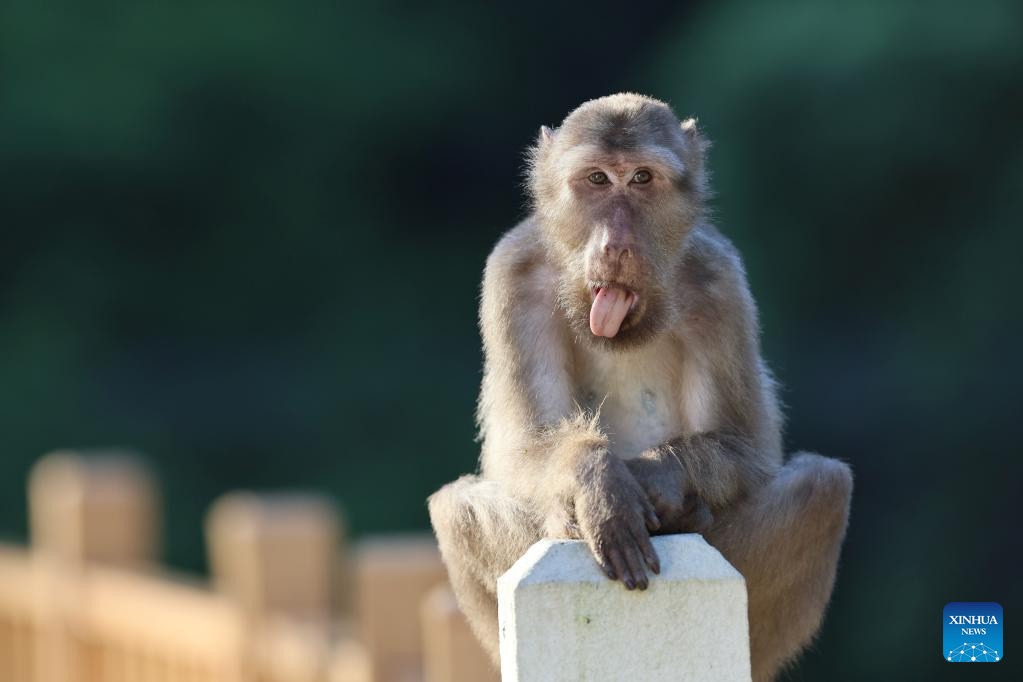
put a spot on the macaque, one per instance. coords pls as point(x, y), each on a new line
point(624, 393)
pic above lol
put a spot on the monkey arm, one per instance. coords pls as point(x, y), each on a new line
point(719, 468)
point(536, 440)
point(739, 451)
point(688, 478)
point(735, 443)
point(716, 466)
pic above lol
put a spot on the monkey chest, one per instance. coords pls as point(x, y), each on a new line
point(636, 396)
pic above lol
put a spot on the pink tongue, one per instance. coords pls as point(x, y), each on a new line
point(610, 306)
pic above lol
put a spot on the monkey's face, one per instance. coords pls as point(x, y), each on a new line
point(618, 234)
point(617, 189)
point(625, 229)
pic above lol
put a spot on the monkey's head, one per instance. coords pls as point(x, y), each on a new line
point(617, 189)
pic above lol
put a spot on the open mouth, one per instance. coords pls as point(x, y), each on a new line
point(611, 303)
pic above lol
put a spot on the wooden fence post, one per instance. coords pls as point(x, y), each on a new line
point(276, 557)
point(451, 652)
point(392, 576)
point(100, 508)
point(276, 554)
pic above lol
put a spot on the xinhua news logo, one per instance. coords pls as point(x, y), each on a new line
point(972, 632)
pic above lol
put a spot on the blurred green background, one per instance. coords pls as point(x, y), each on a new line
point(246, 239)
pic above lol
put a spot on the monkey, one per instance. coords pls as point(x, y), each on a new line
point(624, 394)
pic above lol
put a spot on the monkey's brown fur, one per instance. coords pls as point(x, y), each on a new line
point(670, 425)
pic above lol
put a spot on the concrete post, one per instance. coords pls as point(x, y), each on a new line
point(562, 619)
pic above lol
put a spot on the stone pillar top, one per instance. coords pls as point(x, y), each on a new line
point(561, 618)
point(683, 557)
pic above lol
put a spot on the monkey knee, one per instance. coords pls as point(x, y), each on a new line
point(450, 513)
point(439, 506)
point(822, 487)
point(476, 513)
point(481, 530)
point(839, 479)
point(824, 476)
point(833, 479)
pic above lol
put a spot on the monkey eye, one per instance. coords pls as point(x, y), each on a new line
point(642, 177)
point(598, 178)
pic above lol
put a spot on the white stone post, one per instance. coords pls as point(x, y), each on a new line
point(561, 618)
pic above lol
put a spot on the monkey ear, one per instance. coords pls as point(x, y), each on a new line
point(546, 136)
point(694, 135)
point(689, 128)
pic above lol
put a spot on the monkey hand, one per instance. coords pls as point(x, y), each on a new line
point(615, 518)
point(661, 477)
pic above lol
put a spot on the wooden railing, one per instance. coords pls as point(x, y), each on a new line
point(19, 634)
point(86, 602)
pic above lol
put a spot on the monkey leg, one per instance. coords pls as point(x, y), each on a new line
point(482, 531)
point(785, 540)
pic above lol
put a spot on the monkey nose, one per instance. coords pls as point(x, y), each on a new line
point(616, 254)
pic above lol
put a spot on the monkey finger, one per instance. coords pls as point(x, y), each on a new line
point(647, 504)
point(652, 522)
point(635, 563)
point(648, 512)
point(649, 553)
point(621, 568)
point(605, 565)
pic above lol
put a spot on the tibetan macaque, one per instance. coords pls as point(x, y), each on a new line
point(623, 390)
